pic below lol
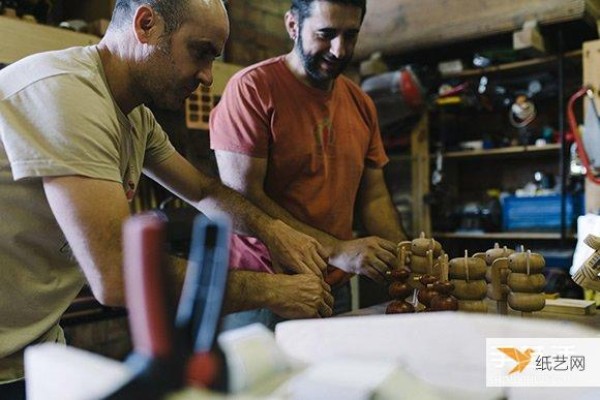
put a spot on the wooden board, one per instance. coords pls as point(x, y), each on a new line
point(570, 306)
point(396, 26)
point(20, 39)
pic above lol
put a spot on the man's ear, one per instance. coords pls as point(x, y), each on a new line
point(145, 22)
point(291, 25)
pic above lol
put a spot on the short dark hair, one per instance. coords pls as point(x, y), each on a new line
point(173, 12)
point(302, 7)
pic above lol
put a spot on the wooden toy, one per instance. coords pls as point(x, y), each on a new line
point(526, 282)
point(427, 292)
point(468, 277)
point(420, 262)
point(421, 245)
point(399, 290)
point(496, 275)
point(588, 275)
point(497, 289)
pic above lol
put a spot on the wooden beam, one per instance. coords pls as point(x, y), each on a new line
point(420, 169)
point(396, 26)
point(21, 39)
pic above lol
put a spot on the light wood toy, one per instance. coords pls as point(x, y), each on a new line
point(588, 275)
point(498, 289)
point(496, 275)
point(526, 282)
point(419, 260)
point(468, 277)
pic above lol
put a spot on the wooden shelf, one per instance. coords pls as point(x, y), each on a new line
point(501, 235)
point(513, 150)
point(517, 65)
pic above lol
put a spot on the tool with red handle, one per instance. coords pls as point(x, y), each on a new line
point(155, 361)
point(170, 352)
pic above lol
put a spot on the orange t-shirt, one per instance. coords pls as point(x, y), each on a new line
point(317, 144)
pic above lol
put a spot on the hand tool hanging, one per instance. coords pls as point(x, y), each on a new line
point(591, 132)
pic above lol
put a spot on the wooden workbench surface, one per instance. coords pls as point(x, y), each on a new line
point(592, 321)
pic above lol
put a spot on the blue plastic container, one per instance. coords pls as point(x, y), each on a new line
point(539, 213)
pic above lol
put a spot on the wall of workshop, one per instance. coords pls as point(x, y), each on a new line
point(257, 30)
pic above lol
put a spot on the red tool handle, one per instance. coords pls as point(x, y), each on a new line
point(145, 285)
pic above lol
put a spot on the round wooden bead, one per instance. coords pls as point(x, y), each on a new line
point(420, 247)
point(400, 290)
point(444, 288)
point(399, 275)
point(471, 290)
point(517, 262)
point(472, 306)
point(492, 254)
point(526, 302)
point(444, 303)
point(526, 283)
point(399, 307)
point(457, 270)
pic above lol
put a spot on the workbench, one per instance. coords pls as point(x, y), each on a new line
point(591, 321)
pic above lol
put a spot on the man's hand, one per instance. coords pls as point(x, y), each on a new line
point(300, 296)
point(295, 252)
point(370, 256)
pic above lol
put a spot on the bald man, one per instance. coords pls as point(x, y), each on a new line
point(75, 138)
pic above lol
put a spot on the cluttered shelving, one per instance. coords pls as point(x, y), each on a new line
point(503, 165)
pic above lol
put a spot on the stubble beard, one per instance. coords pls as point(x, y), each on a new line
point(311, 62)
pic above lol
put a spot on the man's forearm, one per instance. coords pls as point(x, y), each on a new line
point(278, 293)
point(249, 219)
point(247, 290)
point(380, 218)
point(276, 211)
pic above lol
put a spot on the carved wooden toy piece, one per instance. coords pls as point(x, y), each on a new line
point(427, 292)
point(419, 261)
point(399, 290)
point(496, 275)
point(468, 277)
point(492, 255)
point(526, 282)
point(587, 276)
point(498, 290)
point(422, 245)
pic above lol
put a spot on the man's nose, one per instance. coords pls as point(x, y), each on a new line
point(338, 48)
point(205, 75)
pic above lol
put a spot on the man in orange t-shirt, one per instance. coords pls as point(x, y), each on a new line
point(302, 142)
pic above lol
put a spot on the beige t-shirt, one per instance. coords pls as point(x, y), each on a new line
point(57, 118)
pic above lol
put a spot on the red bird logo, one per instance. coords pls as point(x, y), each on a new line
point(522, 358)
